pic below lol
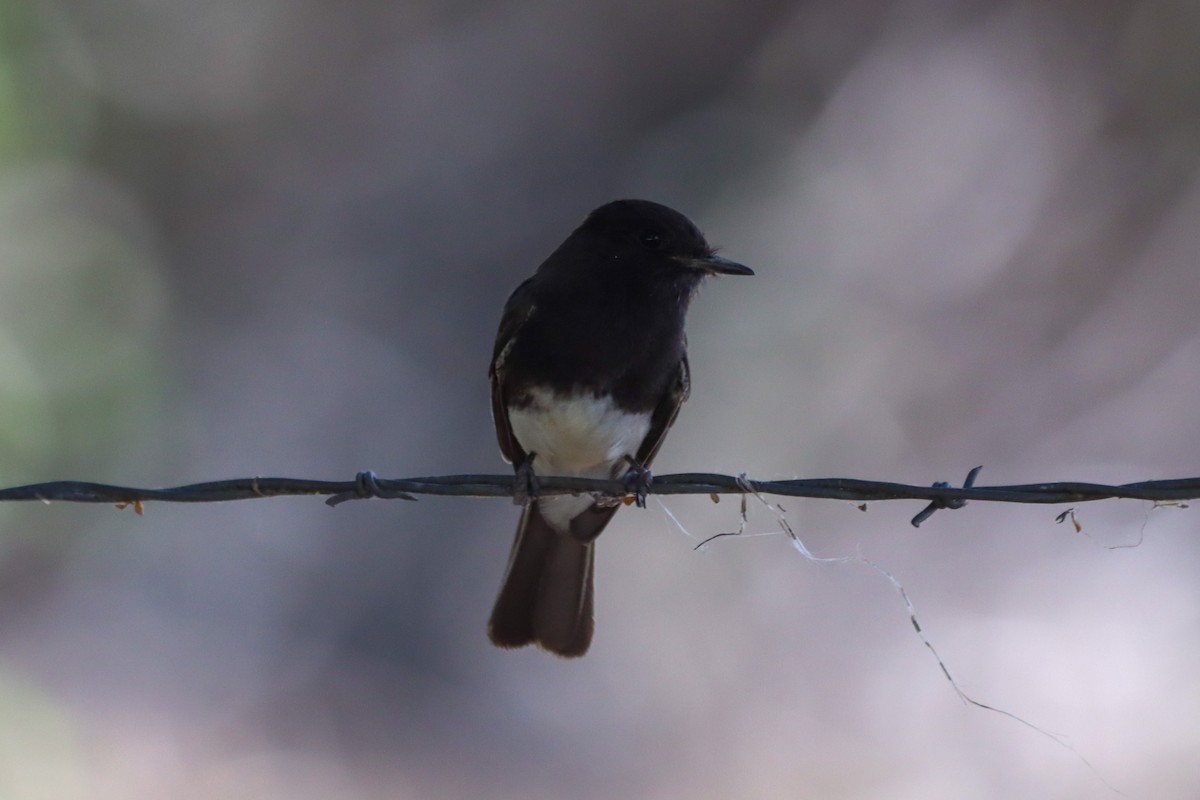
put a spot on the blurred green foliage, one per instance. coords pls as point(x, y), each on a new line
point(82, 302)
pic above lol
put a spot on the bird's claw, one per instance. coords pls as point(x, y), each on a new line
point(637, 481)
point(525, 482)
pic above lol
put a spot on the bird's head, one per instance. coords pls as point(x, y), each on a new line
point(655, 235)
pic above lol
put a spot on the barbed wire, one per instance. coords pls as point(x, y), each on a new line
point(366, 485)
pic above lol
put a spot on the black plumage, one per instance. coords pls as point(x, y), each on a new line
point(589, 371)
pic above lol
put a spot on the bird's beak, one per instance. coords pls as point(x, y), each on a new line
point(715, 265)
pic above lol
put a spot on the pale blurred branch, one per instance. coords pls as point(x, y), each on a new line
point(366, 485)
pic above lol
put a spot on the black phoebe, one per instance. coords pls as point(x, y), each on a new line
point(589, 370)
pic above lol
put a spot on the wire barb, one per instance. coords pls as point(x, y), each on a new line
point(940, 503)
point(366, 486)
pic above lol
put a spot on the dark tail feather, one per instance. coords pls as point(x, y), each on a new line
point(546, 598)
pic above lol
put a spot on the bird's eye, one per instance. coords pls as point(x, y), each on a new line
point(651, 240)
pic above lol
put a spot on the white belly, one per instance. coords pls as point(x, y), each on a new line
point(581, 436)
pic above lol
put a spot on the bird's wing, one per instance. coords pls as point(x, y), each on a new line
point(664, 414)
point(516, 311)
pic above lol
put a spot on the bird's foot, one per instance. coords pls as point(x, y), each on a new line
point(637, 481)
point(525, 482)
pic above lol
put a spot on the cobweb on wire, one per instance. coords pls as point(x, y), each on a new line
point(785, 528)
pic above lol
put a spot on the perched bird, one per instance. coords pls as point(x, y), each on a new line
point(588, 373)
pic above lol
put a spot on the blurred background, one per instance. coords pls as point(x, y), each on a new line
point(273, 237)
